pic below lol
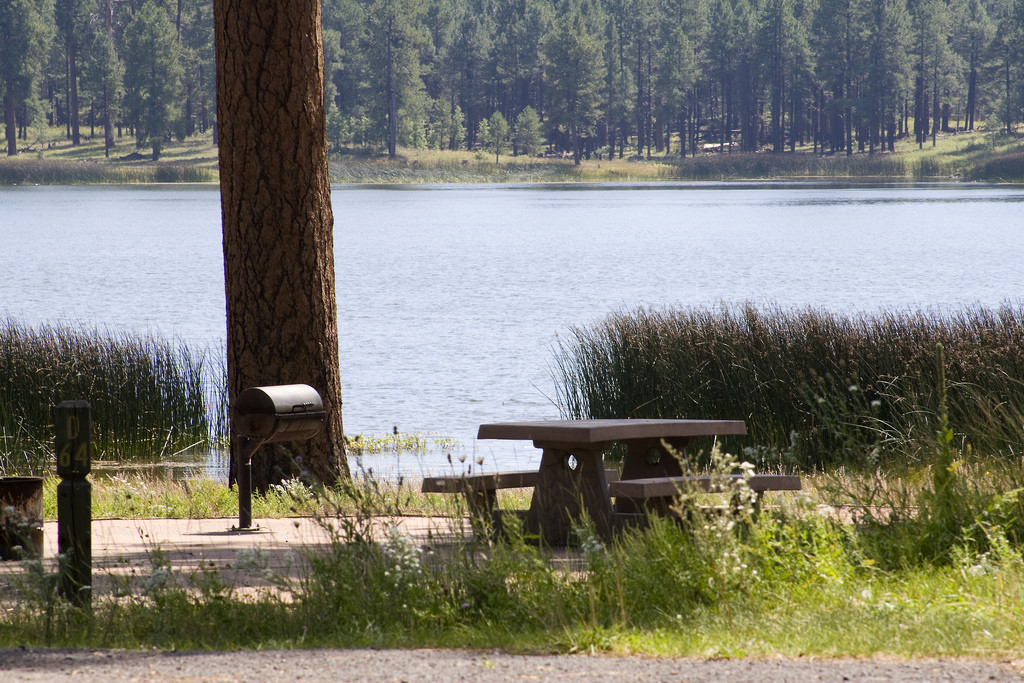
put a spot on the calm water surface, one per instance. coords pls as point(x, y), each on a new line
point(451, 298)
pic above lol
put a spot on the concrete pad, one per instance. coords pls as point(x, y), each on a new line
point(266, 556)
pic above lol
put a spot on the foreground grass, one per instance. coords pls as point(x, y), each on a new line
point(923, 561)
point(845, 490)
point(795, 587)
point(135, 496)
point(800, 580)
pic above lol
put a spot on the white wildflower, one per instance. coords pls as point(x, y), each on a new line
point(158, 580)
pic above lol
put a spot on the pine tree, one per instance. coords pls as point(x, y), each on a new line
point(676, 76)
point(838, 31)
point(1008, 52)
point(972, 36)
point(279, 267)
point(574, 72)
point(102, 73)
point(494, 134)
point(195, 41)
point(618, 82)
point(888, 69)
point(152, 78)
point(930, 26)
point(395, 34)
point(70, 18)
point(720, 48)
point(527, 137)
point(25, 34)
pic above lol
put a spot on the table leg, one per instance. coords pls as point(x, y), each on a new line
point(647, 458)
point(571, 486)
point(483, 510)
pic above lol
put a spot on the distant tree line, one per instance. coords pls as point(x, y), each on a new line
point(141, 68)
point(574, 77)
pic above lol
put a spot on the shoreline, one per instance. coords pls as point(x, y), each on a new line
point(962, 157)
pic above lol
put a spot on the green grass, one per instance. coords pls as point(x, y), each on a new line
point(921, 562)
point(988, 157)
point(126, 496)
point(966, 156)
point(744, 166)
point(795, 582)
point(916, 554)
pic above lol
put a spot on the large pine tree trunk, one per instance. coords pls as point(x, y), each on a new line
point(972, 95)
point(10, 118)
point(277, 220)
point(76, 138)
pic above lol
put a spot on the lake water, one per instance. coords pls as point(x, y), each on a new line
point(451, 298)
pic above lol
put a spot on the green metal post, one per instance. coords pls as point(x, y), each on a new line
point(73, 422)
point(244, 483)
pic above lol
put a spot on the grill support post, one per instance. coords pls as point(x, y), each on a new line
point(286, 412)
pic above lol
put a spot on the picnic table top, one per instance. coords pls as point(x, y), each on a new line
point(607, 431)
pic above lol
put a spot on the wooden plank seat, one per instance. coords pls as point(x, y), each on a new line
point(480, 482)
point(481, 490)
point(658, 492)
point(658, 487)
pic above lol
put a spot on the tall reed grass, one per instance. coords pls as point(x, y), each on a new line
point(737, 166)
point(815, 388)
point(1004, 168)
point(75, 172)
point(454, 170)
point(149, 397)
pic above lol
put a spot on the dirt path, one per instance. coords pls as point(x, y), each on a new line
point(435, 666)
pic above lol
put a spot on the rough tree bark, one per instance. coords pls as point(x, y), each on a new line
point(10, 119)
point(278, 226)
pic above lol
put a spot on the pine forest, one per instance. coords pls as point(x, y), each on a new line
point(572, 78)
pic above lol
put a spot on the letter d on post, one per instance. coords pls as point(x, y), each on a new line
point(73, 423)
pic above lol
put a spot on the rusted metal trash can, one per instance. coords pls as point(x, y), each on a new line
point(21, 518)
point(283, 412)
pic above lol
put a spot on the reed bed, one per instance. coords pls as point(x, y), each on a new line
point(149, 397)
point(90, 172)
point(1005, 168)
point(444, 171)
point(738, 166)
point(816, 389)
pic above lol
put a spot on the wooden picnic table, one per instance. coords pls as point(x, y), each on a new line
point(572, 483)
point(571, 480)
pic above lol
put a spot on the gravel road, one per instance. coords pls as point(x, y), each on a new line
point(436, 666)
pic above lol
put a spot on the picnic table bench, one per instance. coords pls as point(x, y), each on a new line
point(481, 491)
point(572, 481)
